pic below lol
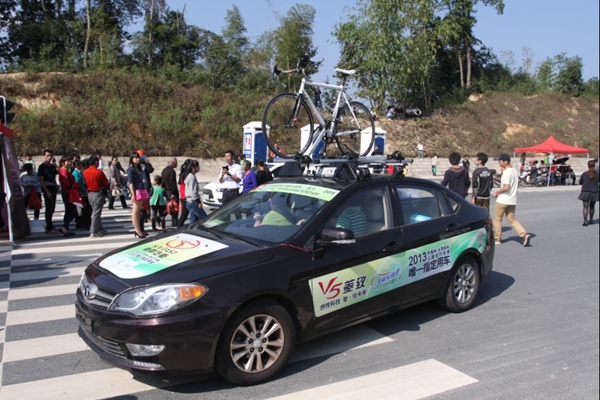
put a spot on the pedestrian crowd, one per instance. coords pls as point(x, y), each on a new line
point(84, 188)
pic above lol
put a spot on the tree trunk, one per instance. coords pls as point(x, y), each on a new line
point(150, 26)
point(87, 32)
point(460, 64)
point(468, 50)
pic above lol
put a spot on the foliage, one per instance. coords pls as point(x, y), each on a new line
point(116, 112)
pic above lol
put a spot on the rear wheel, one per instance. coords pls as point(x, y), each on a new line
point(285, 119)
point(256, 343)
point(463, 286)
point(354, 130)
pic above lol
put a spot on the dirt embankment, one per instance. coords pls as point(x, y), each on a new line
point(200, 123)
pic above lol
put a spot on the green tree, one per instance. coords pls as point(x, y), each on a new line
point(391, 45)
point(294, 43)
point(175, 44)
point(458, 28)
point(107, 29)
point(39, 35)
point(569, 79)
point(226, 56)
point(561, 73)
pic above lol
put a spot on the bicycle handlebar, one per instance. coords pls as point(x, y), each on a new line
point(298, 69)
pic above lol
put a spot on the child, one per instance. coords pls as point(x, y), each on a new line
point(158, 204)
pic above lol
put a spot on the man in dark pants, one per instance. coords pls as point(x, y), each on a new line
point(169, 178)
point(231, 175)
point(47, 172)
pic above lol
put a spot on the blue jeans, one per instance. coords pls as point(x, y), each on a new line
point(196, 211)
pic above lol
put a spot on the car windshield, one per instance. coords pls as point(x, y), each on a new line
point(270, 213)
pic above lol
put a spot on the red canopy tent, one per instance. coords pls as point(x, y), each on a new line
point(552, 145)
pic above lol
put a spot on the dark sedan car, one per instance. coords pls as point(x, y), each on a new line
point(292, 260)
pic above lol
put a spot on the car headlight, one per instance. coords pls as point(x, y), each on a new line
point(153, 300)
point(219, 190)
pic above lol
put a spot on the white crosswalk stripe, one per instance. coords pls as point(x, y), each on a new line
point(42, 276)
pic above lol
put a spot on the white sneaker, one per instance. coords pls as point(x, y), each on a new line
point(498, 243)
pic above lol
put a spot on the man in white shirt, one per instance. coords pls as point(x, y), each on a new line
point(420, 149)
point(231, 175)
point(506, 201)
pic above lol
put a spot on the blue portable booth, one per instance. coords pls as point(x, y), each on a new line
point(255, 147)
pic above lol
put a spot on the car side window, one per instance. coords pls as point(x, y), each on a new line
point(420, 203)
point(363, 213)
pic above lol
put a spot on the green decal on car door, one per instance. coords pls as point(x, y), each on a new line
point(344, 288)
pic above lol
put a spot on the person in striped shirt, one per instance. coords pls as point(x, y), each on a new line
point(353, 218)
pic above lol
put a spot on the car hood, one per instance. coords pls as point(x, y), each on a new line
point(178, 257)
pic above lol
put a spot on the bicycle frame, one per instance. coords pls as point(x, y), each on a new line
point(322, 131)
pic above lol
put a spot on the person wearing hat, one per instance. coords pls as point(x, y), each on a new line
point(506, 201)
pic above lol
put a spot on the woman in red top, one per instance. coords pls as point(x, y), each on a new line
point(183, 211)
point(67, 182)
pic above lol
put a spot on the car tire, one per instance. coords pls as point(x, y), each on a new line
point(463, 286)
point(245, 356)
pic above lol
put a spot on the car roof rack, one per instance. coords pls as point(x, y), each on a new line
point(345, 167)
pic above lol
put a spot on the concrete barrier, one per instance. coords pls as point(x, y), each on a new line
point(210, 167)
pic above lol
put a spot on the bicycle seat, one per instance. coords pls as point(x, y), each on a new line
point(345, 71)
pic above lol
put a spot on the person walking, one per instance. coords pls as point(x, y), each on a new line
point(263, 175)
point(116, 184)
point(84, 219)
point(169, 182)
point(434, 164)
point(67, 183)
point(482, 182)
point(30, 181)
point(47, 171)
point(136, 184)
point(250, 181)
point(420, 149)
point(506, 201)
point(183, 211)
point(589, 192)
point(231, 175)
point(194, 204)
point(96, 182)
point(158, 204)
point(466, 163)
point(456, 178)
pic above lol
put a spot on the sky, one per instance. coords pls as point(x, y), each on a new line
point(546, 27)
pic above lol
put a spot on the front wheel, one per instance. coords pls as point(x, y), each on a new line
point(463, 286)
point(256, 343)
point(354, 130)
point(287, 125)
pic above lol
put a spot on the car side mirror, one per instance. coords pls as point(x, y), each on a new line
point(336, 237)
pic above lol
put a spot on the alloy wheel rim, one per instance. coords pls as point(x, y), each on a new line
point(257, 343)
point(464, 284)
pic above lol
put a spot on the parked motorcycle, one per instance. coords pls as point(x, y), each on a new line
point(533, 177)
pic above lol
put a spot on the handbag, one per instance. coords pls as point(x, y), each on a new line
point(141, 194)
point(173, 207)
point(117, 192)
point(35, 203)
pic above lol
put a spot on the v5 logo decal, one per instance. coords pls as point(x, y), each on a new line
point(333, 289)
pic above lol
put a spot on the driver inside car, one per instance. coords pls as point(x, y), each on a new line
point(279, 215)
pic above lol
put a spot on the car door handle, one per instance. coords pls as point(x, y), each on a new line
point(452, 227)
point(392, 247)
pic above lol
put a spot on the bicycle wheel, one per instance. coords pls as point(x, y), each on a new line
point(285, 118)
point(354, 130)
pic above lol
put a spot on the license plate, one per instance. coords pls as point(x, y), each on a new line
point(86, 321)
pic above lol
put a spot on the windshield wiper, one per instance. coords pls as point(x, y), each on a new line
point(209, 230)
point(242, 238)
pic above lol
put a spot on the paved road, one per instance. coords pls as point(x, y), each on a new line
point(533, 334)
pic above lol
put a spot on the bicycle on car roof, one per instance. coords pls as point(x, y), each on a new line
point(290, 130)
